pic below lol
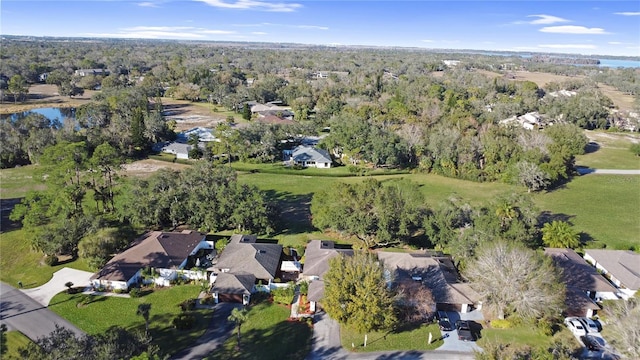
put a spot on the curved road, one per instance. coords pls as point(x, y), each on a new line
point(20, 312)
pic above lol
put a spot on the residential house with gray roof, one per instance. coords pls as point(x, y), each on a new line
point(621, 267)
point(308, 156)
point(317, 256)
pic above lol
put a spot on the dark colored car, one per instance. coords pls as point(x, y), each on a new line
point(443, 321)
point(464, 331)
point(591, 343)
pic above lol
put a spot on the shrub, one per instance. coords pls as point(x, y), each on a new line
point(51, 260)
point(188, 305)
point(135, 293)
point(283, 295)
point(184, 321)
point(207, 299)
point(118, 291)
point(304, 288)
point(501, 324)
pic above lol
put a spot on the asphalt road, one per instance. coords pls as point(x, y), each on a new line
point(19, 312)
point(586, 171)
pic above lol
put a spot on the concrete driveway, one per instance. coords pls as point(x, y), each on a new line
point(451, 341)
point(43, 294)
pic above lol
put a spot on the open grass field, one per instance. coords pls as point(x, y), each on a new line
point(19, 263)
point(525, 337)
point(15, 341)
point(406, 337)
point(604, 208)
point(268, 335)
point(106, 311)
point(44, 95)
point(608, 150)
point(16, 182)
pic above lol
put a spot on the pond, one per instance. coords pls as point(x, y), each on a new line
point(55, 115)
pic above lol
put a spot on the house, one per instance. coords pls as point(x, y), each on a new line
point(308, 156)
point(168, 253)
point(621, 267)
point(317, 256)
point(245, 256)
point(95, 72)
point(529, 121)
point(234, 288)
point(584, 284)
point(203, 134)
point(436, 273)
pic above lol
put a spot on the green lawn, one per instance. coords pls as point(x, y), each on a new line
point(609, 158)
point(526, 336)
point(405, 338)
point(19, 263)
point(15, 341)
point(604, 207)
point(106, 311)
point(16, 182)
point(268, 334)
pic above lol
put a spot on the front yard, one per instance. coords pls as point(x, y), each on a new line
point(268, 334)
point(406, 337)
point(103, 312)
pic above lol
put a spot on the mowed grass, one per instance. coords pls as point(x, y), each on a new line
point(15, 341)
point(107, 311)
point(405, 338)
point(526, 336)
point(604, 207)
point(268, 335)
point(609, 158)
point(16, 182)
point(18, 262)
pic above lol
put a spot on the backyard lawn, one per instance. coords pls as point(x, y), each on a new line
point(104, 312)
point(407, 337)
point(268, 335)
point(15, 341)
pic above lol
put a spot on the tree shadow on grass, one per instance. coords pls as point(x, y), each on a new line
point(548, 216)
point(294, 212)
point(167, 337)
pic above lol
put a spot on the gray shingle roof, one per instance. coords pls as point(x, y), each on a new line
point(577, 273)
point(317, 256)
point(624, 265)
point(261, 260)
point(310, 153)
point(227, 283)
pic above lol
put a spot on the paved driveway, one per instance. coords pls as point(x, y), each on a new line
point(22, 313)
point(43, 294)
point(451, 341)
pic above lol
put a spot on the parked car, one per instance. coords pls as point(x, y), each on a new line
point(575, 326)
point(589, 325)
point(463, 329)
point(591, 342)
point(443, 321)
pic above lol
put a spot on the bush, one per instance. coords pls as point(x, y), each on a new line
point(501, 324)
point(283, 295)
point(135, 293)
point(51, 260)
point(188, 305)
point(118, 291)
point(184, 321)
point(207, 300)
point(304, 288)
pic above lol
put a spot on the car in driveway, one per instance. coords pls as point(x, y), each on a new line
point(443, 321)
point(589, 325)
point(463, 329)
point(575, 326)
point(591, 343)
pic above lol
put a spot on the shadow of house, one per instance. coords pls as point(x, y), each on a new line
point(584, 284)
point(437, 273)
point(166, 252)
point(317, 255)
point(244, 256)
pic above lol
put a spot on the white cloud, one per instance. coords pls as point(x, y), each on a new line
point(615, 43)
point(567, 46)
point(158, 28)
point(253, 5)
point(147, 4)
point(163, 32)
point(573, 29)
point(628, 13)
point(546, 19)
point(258, 33)
point(311, 27)
point(427, 40)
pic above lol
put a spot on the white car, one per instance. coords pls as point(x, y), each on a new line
point(575, 326)
point(589, 325)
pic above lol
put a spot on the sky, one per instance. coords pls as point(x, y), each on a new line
point(560, 26)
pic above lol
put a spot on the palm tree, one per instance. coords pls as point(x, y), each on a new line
point(506, 212)
point(143, 310)
point(559, 234)
point(238, 316)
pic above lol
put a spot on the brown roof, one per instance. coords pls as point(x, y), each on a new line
point(577, 273)
point(157, 250)
point(243, 255)
point(437, 273)
point(227, 283)
point(273, 119)
point(577, 303)
point(624, 265)
point(317, 256)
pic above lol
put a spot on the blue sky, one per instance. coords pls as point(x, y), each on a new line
point(562, 26)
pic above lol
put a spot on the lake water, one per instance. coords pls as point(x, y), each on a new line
point(615, 63)
point(55, 115)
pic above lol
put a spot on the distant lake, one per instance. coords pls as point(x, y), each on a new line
point(55, 115)
point(615, 63)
